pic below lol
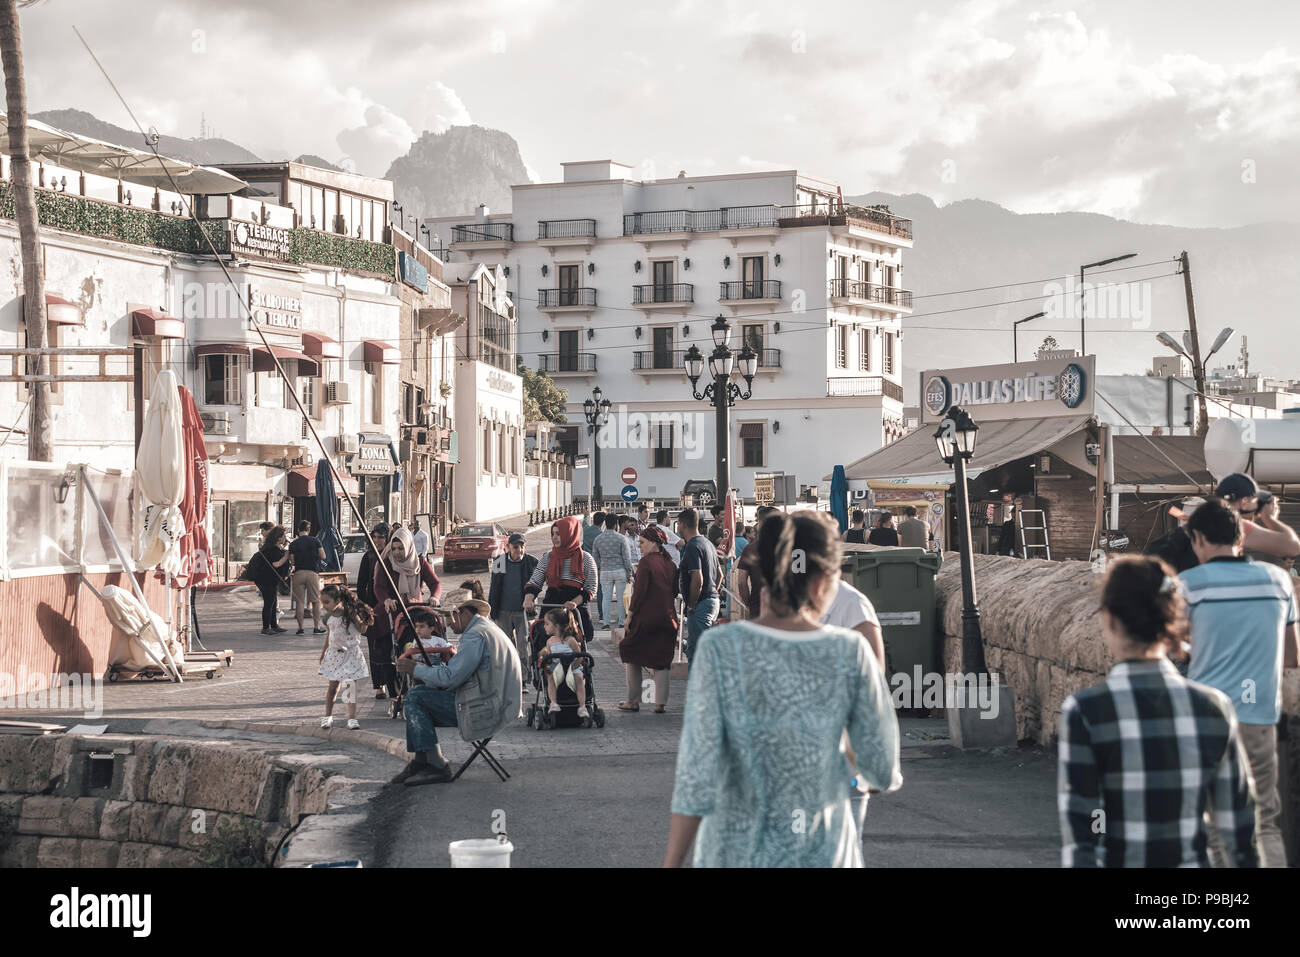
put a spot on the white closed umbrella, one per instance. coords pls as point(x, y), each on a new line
point(146, 627)
point(160, 478)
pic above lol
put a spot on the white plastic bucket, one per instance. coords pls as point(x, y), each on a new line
point(480, 852)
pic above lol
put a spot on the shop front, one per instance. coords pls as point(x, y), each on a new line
point(374, 465)
point(1033, 480)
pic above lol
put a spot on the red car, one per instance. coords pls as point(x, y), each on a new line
point(473, 544)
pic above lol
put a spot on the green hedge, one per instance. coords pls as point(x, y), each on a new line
point(144, 227)
point(354, 255)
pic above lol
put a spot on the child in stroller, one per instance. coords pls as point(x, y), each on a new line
point(419, 626)
point(567, 697)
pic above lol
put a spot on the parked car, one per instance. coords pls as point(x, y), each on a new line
point(354, 547)
point(704, 491)
point(472, 544)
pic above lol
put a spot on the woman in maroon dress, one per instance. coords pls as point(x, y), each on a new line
point(652, 628)
point(411, 573)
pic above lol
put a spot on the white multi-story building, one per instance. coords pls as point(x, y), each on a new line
point(489, 395)
point(614, 279)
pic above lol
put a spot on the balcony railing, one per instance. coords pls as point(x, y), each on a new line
point(660, 359)
point(483, 233)
point(566, 229)
point(560, 298)
point(867, 217)
point(567, 362)
point(750, 289)
point(870, 292)
point(865, 385)
point(663, 292)
point(769, 358)
point(764, 217)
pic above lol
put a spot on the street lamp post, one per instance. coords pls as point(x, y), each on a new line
point(596, 411)
point(1082, 269)
point(721, 392)
point(1015, 330)
point(955, 438)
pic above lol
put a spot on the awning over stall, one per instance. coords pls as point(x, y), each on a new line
point(915, 459)
point(1160, 463)
point(150, 322)
point(302, 483)
point(321, 346)
point(380, 353)
point(61, 312)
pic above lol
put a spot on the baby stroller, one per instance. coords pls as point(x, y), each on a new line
point(539, 712)
point(404, 635)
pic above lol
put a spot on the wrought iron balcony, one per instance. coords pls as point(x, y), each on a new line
point(865, 385)
point(483, 233)
point(659, 359)
point(566, 297)
point(769, 358)
point(750, 289)
point(566, 362)
point(866, 217)
point(566, 229)
point(669, 292)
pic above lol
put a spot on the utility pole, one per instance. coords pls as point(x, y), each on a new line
point(1198, 369)
point(39, 438)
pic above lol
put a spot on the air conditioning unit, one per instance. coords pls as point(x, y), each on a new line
point(216, 423)
point(336, 393)
point(348, 442)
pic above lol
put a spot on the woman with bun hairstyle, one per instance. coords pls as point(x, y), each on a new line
point(768, 703)
point(1146, 754)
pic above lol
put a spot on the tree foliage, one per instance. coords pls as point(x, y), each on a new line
point(544, 401)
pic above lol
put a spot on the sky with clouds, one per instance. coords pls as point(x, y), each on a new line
point(1161, 112)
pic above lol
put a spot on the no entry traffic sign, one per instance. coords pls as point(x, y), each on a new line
point(629, 476)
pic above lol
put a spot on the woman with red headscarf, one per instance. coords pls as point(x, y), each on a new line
point(567, 573)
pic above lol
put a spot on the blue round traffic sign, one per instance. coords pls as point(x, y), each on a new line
point(629, 493)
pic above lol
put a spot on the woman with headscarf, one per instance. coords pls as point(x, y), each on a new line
point(567, 573)
point(410, 573)
point(382, 676)
point(652, 628)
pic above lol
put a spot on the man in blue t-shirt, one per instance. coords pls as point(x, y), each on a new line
point(1243, 617)
point(698, 578)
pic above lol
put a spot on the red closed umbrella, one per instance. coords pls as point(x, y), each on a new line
point(196, 552)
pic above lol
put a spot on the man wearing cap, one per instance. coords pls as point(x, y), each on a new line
point(478, 690)
point(510, 573)
point(1263, 531)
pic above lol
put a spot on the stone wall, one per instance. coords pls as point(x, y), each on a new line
point(141, 802)
point(1042, 634)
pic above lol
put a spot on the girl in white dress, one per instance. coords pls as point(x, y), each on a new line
point(343, 659)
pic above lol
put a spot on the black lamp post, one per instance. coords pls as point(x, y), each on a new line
point(721, 392)
point(596, 410)
point(401, 213)
point(1082, 269)
point(955, 438)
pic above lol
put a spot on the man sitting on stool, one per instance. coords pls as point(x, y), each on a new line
point(478, 691)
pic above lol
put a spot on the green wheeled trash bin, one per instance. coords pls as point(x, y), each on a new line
point(900, 584)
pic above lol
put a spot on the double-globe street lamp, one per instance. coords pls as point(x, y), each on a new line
point(955, 438)
point(596, 410)
point(722, 393)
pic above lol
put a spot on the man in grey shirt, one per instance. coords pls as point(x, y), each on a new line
point(912, 532)
point(613, 553)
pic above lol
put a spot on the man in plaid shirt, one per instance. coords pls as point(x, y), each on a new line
point(1142, 753)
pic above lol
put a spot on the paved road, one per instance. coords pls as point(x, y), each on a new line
point(600, 797)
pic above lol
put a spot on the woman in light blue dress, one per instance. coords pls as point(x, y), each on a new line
point(762, 775)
